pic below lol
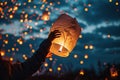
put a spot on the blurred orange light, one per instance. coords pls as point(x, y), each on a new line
point(11, 59)
point(2, 53)
point(46, 64)
point(82, 72)
point(50, 70)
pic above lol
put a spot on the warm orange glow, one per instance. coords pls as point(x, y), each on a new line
point(1, 11)
point(44, 0)
point(24, 57)
point(11, 16)
point(15, 8)
point(91, 47)
point(82, 72)
point(13, 49)
point(45, 16)
point(33, 50)
point(86, 47)
point(86, 9)
point(80, 36)
point(5, 2)
point(49, 55)
point(86, 56)
point(26, 15)
point(117, 3)
point(20, 41)
point(6, 41)
point(59, 68)
point(110, 0)
point(21, 20)
point(75, 56)
point(63, 45)
point(2, 53)
point(81, 62)
point(51, 3)
point(11, 59)
point(6, 35)
point(115, 74)
point(50, 58)
point(46, 64)
point(29, 1)
point(50, 70)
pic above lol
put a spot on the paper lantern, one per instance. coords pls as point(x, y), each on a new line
point(113, 71)
point(45, 16)
point(70, 31)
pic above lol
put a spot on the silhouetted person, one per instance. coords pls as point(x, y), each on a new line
point(20, 71)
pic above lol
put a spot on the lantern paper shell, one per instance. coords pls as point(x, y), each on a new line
point(70, 31)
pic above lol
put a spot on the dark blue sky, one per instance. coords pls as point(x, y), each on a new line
point(99, 20)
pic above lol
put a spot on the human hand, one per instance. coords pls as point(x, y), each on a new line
point(53, 35)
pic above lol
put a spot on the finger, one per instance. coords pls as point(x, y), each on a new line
point(49, 55)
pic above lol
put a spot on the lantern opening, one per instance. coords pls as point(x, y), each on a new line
point(59, 50)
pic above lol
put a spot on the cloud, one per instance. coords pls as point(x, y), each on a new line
point(92, 28)
point(113, 30)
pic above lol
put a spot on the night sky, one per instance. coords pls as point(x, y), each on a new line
point(22, 29)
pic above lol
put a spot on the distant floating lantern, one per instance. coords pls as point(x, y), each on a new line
point(11, 59)
point(113, 71)
point(82, 72)
point(6, 41)
point(10, 16)
point(75, 56)
point(86, 9)
point(2, 53)
point(25, 57)
point(45, 16)
point(15, 8)
point(110, 0)
point(86, 56)
point(91, 46)
point(46, 64)
point(20, 41)
point(59, 68)
point(86, 47)
point(50, 70)
point(29, 1)
point(70, 31)
point(81, 62)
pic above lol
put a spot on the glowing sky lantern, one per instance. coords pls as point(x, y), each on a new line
point(2, 53)
point(70, 31)
point(113, 71)
point(82, 72)
point(45, 16)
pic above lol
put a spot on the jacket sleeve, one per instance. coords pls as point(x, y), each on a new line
point(23, 70)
